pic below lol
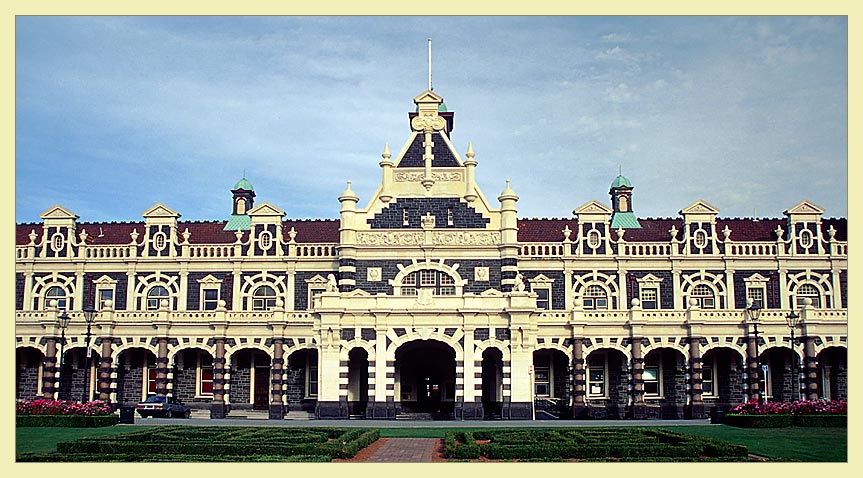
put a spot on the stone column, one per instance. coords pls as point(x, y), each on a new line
point(639, 408)
point(811, 367)
point(277, 407)
point(472, 407)
point(130, 291)
point(49, 369)
point(106, 369)
point(696, 404)
point(678, 293)
point(579, 382)
point(162, 367)
point(184, 290)
point(783, 289)
point(753, 369)
point(217, 408)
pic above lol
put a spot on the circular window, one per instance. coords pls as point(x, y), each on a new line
point(806, 238)
point(159, 241)
point(593, 239)
point(700, 238)
point(57, 242)
point(266, 240)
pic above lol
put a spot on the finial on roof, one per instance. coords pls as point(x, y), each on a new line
point(386, 154)
point(470, 153)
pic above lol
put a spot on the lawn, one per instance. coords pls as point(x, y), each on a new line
point(778, 444)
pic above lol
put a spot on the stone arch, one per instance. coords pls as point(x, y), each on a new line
point(492, 343)
point(684, 350)
point(826, 345)
point(821, 282)
point(229, 353)
point(552, 346)
point(144, 284)
point(28, 371)
point(426, 335)
point(425, 376)
point(252, 283)
point(714, 282)
point(626, 351)
point(346, 348)
point(404, 271)
point(41, 285)
point(173, 351)
point(737, 347)
point(607, 282)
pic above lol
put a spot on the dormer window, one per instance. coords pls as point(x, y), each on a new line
point(241, 206)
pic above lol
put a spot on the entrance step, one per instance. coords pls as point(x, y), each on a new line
point(299, 415)
point(249, 414)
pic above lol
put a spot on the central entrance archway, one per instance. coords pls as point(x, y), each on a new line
point(425, 378)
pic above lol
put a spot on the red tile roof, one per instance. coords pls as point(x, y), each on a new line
point(545, 230)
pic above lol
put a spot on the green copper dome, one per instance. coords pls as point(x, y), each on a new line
point(244, 184)
point(621, 181)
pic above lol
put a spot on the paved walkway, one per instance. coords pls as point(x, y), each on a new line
point(404, 450)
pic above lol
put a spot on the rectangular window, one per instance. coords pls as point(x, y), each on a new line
point(314, 292)
point(103, 295)
point(209, 299)
point(206, 379)
point(596, 376)
point(151, 379)
point(651, 381)
point(708, 385)
point(649, 298)
point(757, 296)
point(542, 381)
point(312, 377)
point(543, 299)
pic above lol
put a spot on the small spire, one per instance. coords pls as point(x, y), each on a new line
point(619, 170)
point(386, 154)
point(470, 153)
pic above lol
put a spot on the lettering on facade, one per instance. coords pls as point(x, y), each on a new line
point(440, 238)
point(464, 238)
point(415, 177)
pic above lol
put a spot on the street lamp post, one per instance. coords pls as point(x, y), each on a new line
point(62, 322)
point(89, 316)
point(793, 319)
point(753, 311)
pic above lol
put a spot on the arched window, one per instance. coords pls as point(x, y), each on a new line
point(264, 298)
point(159, 241)
point(439, 282)
point(806, 238)
point(704, 295)
point(593, 238)
point(241, 206)
point(810, 291)
point(58, 294)
point(155, 296)
point(595, 298)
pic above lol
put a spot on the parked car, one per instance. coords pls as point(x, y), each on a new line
point(167, 407)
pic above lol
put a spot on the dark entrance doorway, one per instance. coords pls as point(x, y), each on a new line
point(262, 388)
point(358, 382)
point(425, 376)
point(492, 383)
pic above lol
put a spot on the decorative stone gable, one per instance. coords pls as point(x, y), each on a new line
point(804, 228)
point(58, 236)
point(160, 231)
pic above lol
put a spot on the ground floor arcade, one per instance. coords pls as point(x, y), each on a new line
point(437, 372)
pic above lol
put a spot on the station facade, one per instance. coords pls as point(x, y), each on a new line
point(434, 301)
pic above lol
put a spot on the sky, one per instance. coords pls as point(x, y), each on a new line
point(116, 114)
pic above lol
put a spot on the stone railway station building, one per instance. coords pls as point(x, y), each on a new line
point(434, 301)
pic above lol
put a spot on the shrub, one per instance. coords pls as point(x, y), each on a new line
point(799, 407)
point(782, 421)
point(63, 407)
point(72, 421)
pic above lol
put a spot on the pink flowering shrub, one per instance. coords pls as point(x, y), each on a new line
point(799, 407)
point(62, 407)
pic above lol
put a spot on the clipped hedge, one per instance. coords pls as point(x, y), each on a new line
point(216, 443)
point(592, 445)
point(73, 421)
point(120, 458)
point(783, 421)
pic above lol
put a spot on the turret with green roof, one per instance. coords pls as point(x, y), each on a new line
point(244, 199)
point(622, 216)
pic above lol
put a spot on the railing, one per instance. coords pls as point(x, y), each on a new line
point(554, 316)
point(644, 249)
point(663, 315)
point(205, 251)
point(543, 249)
point(751, 249)
point(107, 252)
point(22, 252)
point(840, 249)
point(606, 315)
point(315, 250)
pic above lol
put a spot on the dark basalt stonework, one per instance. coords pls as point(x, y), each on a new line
point(463, 216)
point(443, 157)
